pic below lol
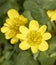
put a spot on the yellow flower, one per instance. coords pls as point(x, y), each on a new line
point(34, 37)
point(12, 24)
point(52, 14)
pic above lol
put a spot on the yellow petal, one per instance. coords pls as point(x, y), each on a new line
point(5, 24)
point(21, 36)
point(34, 49)
point(43, 46)
point(9, 34)
point(50, 13)
point(12, 13)
point(4, 29)
point(42, 29)
point(33, 25)
point(14, 40)
point(24, 45)
point(23, 29)
point(53, 18)
point(9, 22)
point(23, 19)
point(46, 36)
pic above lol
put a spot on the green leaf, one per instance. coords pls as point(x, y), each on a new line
point(2, 20)
point(7, 63)
point(25, 58)
point(6, 56)
point(53, 55)
point(52, 45)
point(49, 26)
point(2, 1)
point(8, 5)
point(2, 38)
point(45, 59)
point(38, 13)
point(47, 4)
point(28, 15)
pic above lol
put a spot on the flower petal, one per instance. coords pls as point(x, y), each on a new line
point(23, 29)
point(46, 36)
point(50, 13)
point(34, 49)
point(14, 40)
point(12, 13)
point(4, 29)
point(9, 22)
point(23, 19)
point(42, 29)
point(21, 36)
point(24, 45)
point(53, 18)
point(9, 34)
point(33, 25)
point(43, 46)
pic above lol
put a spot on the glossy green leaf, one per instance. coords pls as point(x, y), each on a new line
point(37, 12)
point(45, 59)
point(24, 58)
point(8, 5)
point(47, 4)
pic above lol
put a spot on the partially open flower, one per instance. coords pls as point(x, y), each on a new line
point(34, 37)
point(12, 24)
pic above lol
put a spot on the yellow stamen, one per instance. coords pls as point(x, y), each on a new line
point(34, 37)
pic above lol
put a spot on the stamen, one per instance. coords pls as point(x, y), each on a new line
point(34, 38)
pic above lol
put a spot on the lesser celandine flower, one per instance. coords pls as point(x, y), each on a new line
point(34, 37)
point(12, 24)
point(52, 14)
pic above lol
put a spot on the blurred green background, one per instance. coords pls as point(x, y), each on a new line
point(32, 9)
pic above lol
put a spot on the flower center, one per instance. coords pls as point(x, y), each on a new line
point(34, 38)
point(16, 23)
